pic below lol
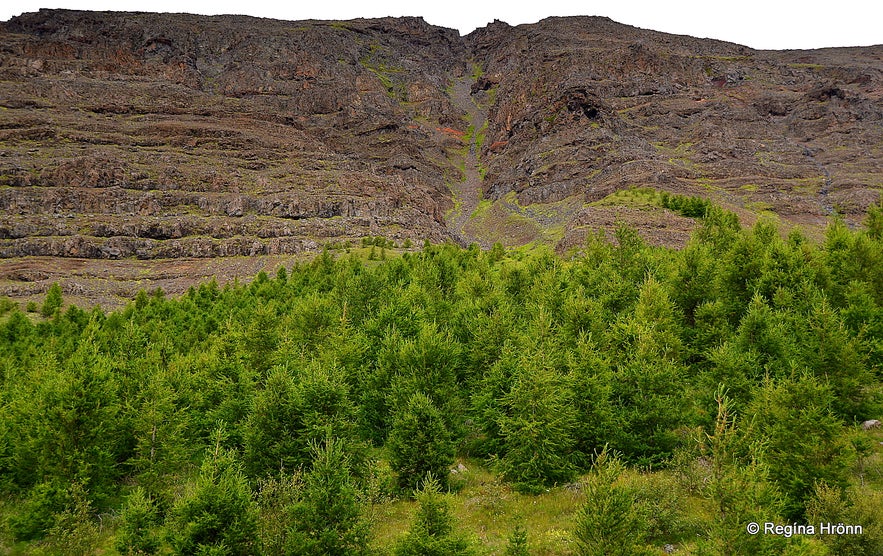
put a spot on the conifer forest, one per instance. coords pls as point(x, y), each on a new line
point(620, 399)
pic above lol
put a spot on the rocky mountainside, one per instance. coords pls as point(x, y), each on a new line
point(586, 107)
point(146, 137)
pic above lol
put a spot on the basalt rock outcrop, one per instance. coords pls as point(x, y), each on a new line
point(152, 135)
point(587, 107)
point(132, 135)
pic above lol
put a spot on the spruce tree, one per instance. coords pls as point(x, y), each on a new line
point(433, 532)
point(419, 443)
point(272, 442)
point(608, 523)
point(538, 427)
point(737, 485)
point(329, 518)
point(53, 300)
point(216, 515)
point(288, 415)
point(139, 524)
point(518, 545)
point(803, 438)
point(65, 420)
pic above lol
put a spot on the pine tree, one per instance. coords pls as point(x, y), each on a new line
point(161, 448)
point(427, 363)
point(37, 514)
point(590, 378)
point(272, 442)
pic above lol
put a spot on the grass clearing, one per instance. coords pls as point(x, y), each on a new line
point(635, 197)
point(487, 510)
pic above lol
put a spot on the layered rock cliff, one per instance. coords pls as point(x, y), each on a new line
point(144, 136)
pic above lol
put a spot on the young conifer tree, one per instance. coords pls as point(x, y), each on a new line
point(804, 440)
point(433, 532)
point(537, 426)
point(419, 443)
point(139, 525)
point(217, 514)
point(53, 300)
point(608, 523)
point(329, 518)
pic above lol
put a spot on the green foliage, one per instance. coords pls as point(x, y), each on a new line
point(75, 532)
point(803, 439)
point(290, 414)
point(329, 518)
point(381, 241)
point(159, 425)
point(591, 379)
point(719, 228)
point(735, 482)
point(652, 411)
point(428, 363)
point(433, 532)
point(63, 421)
point(6, 305)
point(37, 514)
point(858, 506)
point(537, 426)
point(420, 443)
point(874, 221)
point(276, 497)
point(608, 524)
point(693, 207)
point(137, 533)
point(53, 300)
point(518, 545)
point(521, 357)
point(216, 515)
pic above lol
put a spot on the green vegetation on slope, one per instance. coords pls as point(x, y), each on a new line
point(627, 398)
point(690, 206)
